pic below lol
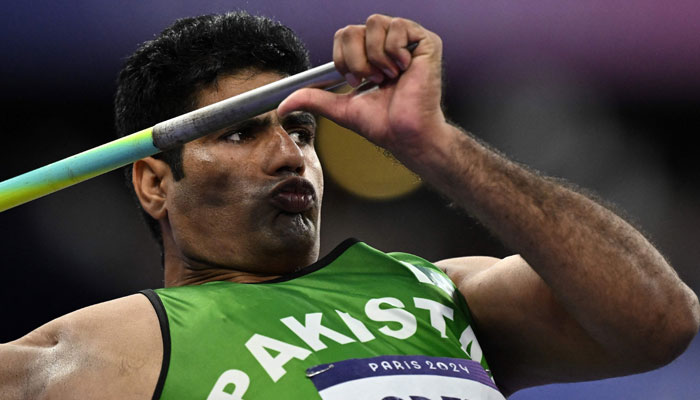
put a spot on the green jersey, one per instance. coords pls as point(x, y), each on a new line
point(358, 323)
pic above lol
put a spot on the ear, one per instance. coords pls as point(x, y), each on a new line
point(151, 179)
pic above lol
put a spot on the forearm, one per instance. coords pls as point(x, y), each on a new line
point(611, 280)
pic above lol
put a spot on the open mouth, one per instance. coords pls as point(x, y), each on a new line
point(294, 195)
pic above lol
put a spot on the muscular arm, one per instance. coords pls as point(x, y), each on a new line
point(111, 350)
point(598, 299)
point(594, 298)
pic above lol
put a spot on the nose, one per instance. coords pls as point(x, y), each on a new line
point(284, 156)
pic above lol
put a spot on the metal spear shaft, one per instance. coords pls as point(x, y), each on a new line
point(160, 137)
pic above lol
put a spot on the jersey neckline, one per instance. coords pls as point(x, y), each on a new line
point(320, 263)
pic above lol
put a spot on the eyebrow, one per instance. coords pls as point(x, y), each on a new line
point(250, 124)
point(300, 118)
point(295, 118)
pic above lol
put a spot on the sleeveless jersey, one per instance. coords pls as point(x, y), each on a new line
point(357, 324)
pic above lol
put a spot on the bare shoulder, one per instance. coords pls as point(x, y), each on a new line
point(476, 276)
point(461, 268)
point(109, 350)
point(528, 336)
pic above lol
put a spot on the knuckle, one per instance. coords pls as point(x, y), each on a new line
point(398, 23)
point(436, 39)
point(376, 19)
point(353, 31)
point(403, 23)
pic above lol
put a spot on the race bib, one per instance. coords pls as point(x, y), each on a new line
point(404, 378)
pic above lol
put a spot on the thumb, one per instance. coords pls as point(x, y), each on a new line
point(316, 101)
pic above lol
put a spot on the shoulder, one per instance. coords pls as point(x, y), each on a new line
point(463, 270)
point(108, 350)
point(528, 336)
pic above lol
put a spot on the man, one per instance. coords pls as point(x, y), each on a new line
point(250, 311)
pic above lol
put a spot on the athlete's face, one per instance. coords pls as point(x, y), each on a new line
point(251, 195)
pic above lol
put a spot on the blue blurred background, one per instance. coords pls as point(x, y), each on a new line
point(603, 94)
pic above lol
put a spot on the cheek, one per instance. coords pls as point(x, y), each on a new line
point(209, 179)
point(209, 207)
point(203, 190)
point(315, 172)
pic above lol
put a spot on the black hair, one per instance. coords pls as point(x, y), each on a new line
point(161, 79)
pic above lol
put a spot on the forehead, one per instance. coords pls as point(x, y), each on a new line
point(228, 85)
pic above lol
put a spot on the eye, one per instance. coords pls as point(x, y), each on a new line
point(235, 136)
point(301, 136)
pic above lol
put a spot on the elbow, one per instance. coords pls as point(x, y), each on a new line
point(676, 332)
point(688, 322)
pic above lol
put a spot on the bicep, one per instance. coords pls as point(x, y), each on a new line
point(528, 337)
point(109, 350)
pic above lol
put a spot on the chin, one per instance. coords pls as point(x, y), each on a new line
point(290, 249)
point(297, 242)
point(295, 229)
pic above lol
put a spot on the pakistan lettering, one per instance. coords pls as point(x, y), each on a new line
point(312, 330)
point(232, 384)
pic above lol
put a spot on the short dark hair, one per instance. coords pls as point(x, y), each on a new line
point(161, 79)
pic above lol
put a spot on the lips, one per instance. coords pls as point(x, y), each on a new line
point(294, 195)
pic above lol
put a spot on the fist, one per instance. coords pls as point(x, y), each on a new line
point(405, 107)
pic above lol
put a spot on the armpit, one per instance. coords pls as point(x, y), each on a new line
point(461, 268)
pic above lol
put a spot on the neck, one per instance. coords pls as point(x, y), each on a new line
point(181, 269)
point(180, 274)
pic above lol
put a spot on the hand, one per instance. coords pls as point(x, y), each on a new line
point(406, 107)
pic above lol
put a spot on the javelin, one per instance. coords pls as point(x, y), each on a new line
point(160, 137)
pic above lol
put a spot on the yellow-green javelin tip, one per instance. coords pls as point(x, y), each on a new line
point(75, 169)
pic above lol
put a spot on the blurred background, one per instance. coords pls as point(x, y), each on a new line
point(603, 94)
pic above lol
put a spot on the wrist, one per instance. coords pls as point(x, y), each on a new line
point(434, 150)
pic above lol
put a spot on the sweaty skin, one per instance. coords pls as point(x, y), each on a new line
point(249, 204)
point(594, 298)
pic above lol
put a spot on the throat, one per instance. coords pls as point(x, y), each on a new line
point(188, 276)
point(273, 255)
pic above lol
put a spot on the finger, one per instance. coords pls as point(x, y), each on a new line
point(375, 37)
point(400, 33)
point(352, 47)
point(316, 101)
point(338, 58)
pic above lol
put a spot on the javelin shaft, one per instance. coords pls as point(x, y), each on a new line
point(162, 136)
